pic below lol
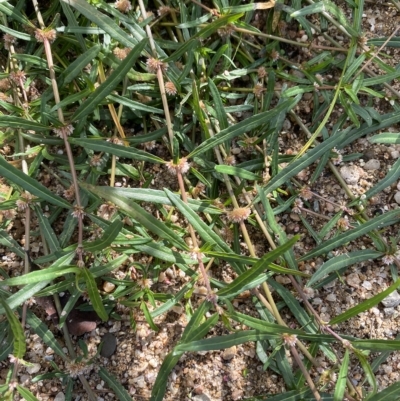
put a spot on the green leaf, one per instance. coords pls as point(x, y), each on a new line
point(341, 261)
point(365, 305)
point(133, 105)
point(24, 392)
point(111, 82)
point(243, 126)
point(219, 107)
point(46, 230)
point(340, 386)
point(140, 215)
point(385, 137)
point(11, 244)
point(369, 374)
point(103, 21)
point(17, 330)
point(93, 293)
point(107, 238)
point(389, 393)
point(377, 345)
point(21, 123)
point(41, 329)
point(76, 67)
point(30, 184)
point(101, 145)
point(376, 223)
point(237, 285)
point(113, 382)
point(48, 274)
point(237, 171)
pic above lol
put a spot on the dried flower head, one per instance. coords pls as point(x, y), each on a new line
point(8, 214)
point(76, 368)
point(230, 160)
point(66, 130)
point(198, 189)
point(106, 210)
point(8, 40)
point(163, 10)
point(238, 214)
point(96, 161)
point(309, 292)
point(226, 31)
point(289, 339)
point(18, 77)
point(123, 5)
point(388, 259)
point(261, 72)
point(121, 53)
point(45, 34)
point(4, 84)
point(78, 212)
point(338, 159)
point(297, 205)
point(343, 224)
point(258, 89)
point(274, 55)
point(24, 202)
point(5, 98)
point(153, 64)
point(69, 193)
point(144, 282)
point(182, 166)
point(306, 193)
point(170, 88)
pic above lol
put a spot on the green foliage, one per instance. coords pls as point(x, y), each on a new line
point(207, 112)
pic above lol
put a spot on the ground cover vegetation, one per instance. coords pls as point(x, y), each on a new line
point(195, 137)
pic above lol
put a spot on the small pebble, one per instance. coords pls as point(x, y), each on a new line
point(33, 369)
point(109, 345)
point(229, 353)
point(59, 397)
point(372, 164)
point(353, 280)
point(331, 298)
point(108, 287)
point(367, 285)
point(397, 197)
point(392, 300)
point(201, 397)
point(388, 312)
point(351, 174)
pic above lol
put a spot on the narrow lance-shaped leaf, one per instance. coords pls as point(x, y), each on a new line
point(17, 330)
point(140, 215)
point(365, 305)
point(376, 223)
point(236, 286)
point(342, 378)
point(93, 293)
point(102, 21)
point(244, 126)
point(107, 238)
point(111, 82)
point(29, 184)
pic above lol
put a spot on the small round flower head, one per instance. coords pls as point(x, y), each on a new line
point(41, 35)
point(4, 84)
point(261, 72)
point(66, 130)
point(163, 10)
point(274, 55)
point(306, 193)
point(238, 214)
point(308, 292)
point(121, 53)
point(25, 201)
point(388, 259)
point(170, 88)
point(96, 161)
point(230, 160)
point(338, 159)
point(297, 205)
point(69, 193)
point(8, 40)
point(153, 64)
point(182, 166)
point(75, 368)
point(343, 224)
point(123, 5)
point(226, 31)
point(18, 77)
point(78, 212)
point(258, 89)
point(106, 210)
point(289, 339)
